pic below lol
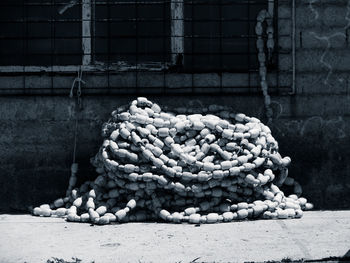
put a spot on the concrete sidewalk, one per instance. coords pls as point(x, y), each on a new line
point(318, 235)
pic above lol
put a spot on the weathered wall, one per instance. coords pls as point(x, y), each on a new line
point(37, 142)
point(312, 126)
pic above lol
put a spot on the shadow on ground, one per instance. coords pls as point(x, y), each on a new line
point(345, 258)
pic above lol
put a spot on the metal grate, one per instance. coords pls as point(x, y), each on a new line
point(132, 46)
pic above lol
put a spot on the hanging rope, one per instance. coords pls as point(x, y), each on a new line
point(265, 16)
point(74, 168)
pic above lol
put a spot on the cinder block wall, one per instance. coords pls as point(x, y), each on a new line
point(312, 126)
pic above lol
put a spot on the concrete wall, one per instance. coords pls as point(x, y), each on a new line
point(312, 126)
point(37, 142)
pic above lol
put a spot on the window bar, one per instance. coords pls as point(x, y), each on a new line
point(26, 46)
point(275, 19)
point(137, 46)
point(86, 31)
point(293, 90)
point(177, 30)
point(93, 31)
point(164, 47)
point(248, 46)
point(109, 40)
point(53, 38)
point(23, 55)
point(192, 46)
point(220, 57)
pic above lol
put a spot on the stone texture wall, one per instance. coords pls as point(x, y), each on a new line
point(312, 126)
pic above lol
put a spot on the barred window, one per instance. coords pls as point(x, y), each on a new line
point(165, 36)
point(34, 33)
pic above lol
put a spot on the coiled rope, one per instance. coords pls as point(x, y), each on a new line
point(196, 168)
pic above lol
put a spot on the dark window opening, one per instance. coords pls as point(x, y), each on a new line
point(220, 35)
point(34, 33)
point(132, 31)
